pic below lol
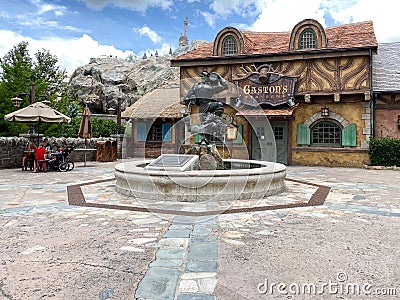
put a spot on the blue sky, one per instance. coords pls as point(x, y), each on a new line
point(76, 30)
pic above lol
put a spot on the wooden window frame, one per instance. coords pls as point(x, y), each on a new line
point(229, 46)
point(323, 143)
point(308, 39)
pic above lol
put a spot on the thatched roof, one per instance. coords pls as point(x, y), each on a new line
point(160, 103)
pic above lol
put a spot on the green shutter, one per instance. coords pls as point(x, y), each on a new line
point(349, 134)
point(141, 132)
point(303, 134)
point(166, 132)
point(239, 138)
point(197, 138)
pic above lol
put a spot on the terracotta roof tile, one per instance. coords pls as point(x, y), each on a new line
point(266, 112)
point(355, 35)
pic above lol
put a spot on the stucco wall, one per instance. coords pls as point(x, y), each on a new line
point(351, 112)
point(386, 123)
point(330, 157)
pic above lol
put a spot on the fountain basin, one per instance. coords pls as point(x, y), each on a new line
point(242, 179)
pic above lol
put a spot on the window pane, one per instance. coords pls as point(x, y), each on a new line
point(326, 133)
point(229, 46)
point(166, 132)
point(308, 39)
point(141, 132)
point(155, 133)
point(278, 132)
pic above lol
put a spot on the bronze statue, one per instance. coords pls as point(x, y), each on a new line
point(201, 94)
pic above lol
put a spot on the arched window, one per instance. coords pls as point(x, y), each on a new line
point(308, 39)
point(229, 46)
point(326, 133)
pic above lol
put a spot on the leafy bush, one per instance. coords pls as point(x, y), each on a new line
point(100, 128)
point(385, 152)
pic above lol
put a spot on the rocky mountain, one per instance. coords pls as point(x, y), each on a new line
point(106, 80)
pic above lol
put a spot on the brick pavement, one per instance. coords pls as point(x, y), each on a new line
point(54, 250)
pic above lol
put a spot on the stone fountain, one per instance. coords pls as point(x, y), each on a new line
point(201, 174)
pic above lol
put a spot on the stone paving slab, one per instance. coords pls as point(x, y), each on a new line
point(50, 249)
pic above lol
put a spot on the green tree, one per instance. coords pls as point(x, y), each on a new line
point(16, 75)
point(18, 72)
point(48, 77)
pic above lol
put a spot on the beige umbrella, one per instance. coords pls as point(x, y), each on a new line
point(85, 128)
point(37, 112)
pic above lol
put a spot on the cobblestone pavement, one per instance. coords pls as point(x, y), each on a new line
point(51, 250)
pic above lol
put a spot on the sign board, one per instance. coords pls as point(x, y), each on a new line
point(174, 162)
point(265, 87)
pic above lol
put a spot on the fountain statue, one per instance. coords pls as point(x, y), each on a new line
point(201, 174)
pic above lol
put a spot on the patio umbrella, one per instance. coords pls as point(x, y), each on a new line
point(85, 128)
point(37, 112)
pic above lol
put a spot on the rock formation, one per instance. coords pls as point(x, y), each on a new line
point(106, 80)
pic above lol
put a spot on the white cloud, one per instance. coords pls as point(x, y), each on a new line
point(222, 9)
point(241, 7)
point(146, 31)
point(164, 50)
point(209, 18)
point(137, 5)
point(283, 15)
point(383, 13)
point(43, 8)
point(71, 53)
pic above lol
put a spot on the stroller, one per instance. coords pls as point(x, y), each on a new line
point(62, 162)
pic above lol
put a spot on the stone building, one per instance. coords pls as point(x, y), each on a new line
point(386, 90)
point(314, 84)
point(153, 123)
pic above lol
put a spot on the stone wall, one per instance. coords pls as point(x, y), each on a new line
point(12, 149)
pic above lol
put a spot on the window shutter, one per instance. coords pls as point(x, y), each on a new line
point(197, 138)
point(303, 134)
point(141, 132)
point(349, 134)
point(166, 133)
point(239, 138)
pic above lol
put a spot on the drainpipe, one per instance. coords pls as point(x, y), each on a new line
point(371, 103)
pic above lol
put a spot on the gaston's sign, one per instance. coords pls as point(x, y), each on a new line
point(266, 88)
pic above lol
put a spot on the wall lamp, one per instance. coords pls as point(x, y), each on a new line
point(398, 121)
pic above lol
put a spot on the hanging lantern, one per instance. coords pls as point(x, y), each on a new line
point(231, 132)
point(16, 101)
point(325, 111)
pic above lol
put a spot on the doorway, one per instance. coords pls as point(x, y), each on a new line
point(265, 137)
point(280, 129)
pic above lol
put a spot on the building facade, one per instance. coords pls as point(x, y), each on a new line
point(313, 84)
point(386, 90)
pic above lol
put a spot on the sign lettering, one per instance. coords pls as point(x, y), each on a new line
point(278, 92)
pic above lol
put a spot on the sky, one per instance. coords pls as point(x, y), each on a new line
point(77, 30)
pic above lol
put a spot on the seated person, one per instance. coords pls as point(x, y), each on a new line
point(49, 150)
point(40, 156)
point(29, 156)
point(55, 157)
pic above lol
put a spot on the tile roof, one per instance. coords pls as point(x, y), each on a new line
point(355, 35)
point(160, 103)
point(386, 68)
point(266, 112)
